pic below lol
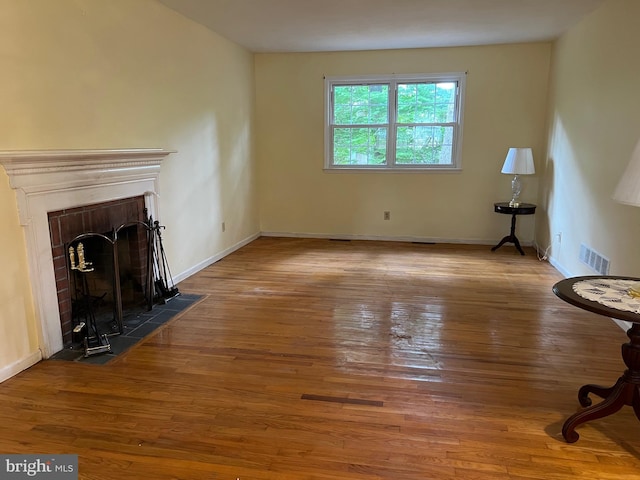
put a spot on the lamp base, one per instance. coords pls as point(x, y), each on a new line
point(516, 188)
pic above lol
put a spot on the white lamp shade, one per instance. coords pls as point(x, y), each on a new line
point(519, 161)
point(628, 189)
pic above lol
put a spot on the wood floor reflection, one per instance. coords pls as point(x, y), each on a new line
point(325, 360)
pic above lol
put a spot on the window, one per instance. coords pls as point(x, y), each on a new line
point(394, 122)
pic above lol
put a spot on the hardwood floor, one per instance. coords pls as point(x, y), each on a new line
point(325, 360)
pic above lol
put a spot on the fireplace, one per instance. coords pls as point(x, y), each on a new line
point(96, 225)
point(51, 181)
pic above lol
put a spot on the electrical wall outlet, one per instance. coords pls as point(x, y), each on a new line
point(387, 215)
point(559, 237)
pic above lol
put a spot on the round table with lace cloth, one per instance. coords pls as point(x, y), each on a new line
point(613, 297)
point(616, 293)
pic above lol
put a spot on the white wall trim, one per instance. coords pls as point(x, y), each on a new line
point(623, 325)
point(565, 273)
point(213, 259)
point(22, 364)
point(384, 238)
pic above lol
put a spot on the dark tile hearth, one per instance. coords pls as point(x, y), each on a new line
point(136, 327)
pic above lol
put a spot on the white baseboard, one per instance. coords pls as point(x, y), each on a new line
point(22, 364)
point(565, 273)
point(623, 325)
point(211, 260)
point(462, 241)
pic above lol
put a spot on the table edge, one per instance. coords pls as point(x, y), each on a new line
point(576, 300)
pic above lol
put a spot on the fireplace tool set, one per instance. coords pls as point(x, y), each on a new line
point(159, 287)
point(165, 289)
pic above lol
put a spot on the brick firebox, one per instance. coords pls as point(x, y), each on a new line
point(103, 218)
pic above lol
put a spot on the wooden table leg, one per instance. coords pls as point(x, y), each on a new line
point(511, 238)
point(626, 391)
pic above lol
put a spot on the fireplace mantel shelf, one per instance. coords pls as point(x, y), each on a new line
point(26, 163)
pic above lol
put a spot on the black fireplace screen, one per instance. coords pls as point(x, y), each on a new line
point(115, 274)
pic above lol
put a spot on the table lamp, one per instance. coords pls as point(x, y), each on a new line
point(628, 192)
point(519, 161)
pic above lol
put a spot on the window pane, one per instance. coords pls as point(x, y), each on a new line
point(359, 146)
point(342, 114)
point(406, 113)
point(426, 102)
point(424, 145)
point(360, 104)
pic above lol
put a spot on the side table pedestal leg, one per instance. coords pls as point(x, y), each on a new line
point(608, 406)
point(626, 391)
point(511, 238)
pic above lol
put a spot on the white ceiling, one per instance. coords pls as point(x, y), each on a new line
point(332, 25)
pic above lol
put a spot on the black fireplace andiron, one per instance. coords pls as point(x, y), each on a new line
point(94, 342)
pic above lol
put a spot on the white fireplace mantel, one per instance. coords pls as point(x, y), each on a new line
point(51, 180)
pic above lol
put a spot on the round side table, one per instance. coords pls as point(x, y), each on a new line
point(520, 209)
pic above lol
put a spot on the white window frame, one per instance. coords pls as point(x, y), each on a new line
point(393, 80)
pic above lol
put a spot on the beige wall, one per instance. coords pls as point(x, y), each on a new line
point(505, 106)
point(594, 126)
point(91, 74)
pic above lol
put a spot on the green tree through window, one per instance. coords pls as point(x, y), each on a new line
point(410, 122)
point(361, 118)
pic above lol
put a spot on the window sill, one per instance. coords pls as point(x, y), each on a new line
point(392, 170)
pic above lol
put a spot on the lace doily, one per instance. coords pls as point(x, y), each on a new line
point(611, 293)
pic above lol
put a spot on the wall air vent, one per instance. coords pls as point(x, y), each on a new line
point(593, 259)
